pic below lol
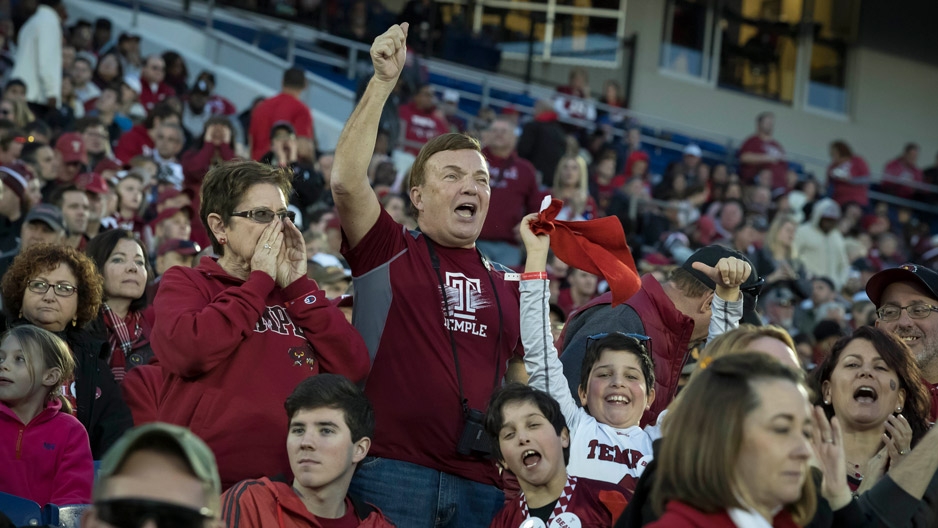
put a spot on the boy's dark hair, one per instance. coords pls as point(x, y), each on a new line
point(617, 341)
point(38, 127)
point(294, 78)
point(161, 111)
point(334, 392)
point(28, 155)
point(15, 82)
point(116, 88)
point(518, 393)
point(84, 123)
point(58, 195)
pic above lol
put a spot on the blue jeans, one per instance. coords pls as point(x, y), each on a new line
point(413, 496)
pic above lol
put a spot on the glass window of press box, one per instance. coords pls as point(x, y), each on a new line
point(791, 51)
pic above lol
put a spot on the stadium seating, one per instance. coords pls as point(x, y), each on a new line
point(24, 512)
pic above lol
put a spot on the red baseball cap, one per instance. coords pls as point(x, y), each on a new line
point(91, 182)
point(107, 164)
point(167, 194)
point(72, 148)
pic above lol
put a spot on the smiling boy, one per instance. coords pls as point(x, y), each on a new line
point(532, 441)
point(331, 423)
point(617, 375)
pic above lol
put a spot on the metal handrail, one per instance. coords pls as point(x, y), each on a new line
point(488, 82)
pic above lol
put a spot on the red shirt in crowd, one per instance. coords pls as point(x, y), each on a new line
point(844, 190)
point(413, 384)
point(420, 126)
point(218, 105)
point(195, 164)
point(900, 170)
point(575, 105)
point(677, 513)
point(264, 503)
point(515, 193)
point(135, 142)
point(566, 303)
point(281, 107)
point(150, 95)
point(757, 145)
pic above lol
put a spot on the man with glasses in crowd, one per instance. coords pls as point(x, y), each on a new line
point(157, 475)
point(906, 299)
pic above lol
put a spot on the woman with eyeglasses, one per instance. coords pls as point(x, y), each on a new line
point(235, 334)
point(57, 289)
point(873, 385)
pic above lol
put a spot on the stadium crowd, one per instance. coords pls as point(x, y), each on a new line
point(243, 329)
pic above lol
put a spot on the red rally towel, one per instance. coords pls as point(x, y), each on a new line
point(597, 246)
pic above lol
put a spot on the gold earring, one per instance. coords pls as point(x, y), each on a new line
point(75, 321)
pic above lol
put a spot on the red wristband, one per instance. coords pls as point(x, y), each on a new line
point(534, 275)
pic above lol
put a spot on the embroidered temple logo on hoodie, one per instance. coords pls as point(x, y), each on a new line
point(464, 298)
point(275, 319)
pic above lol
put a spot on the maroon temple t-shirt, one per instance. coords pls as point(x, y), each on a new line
point(400, 314)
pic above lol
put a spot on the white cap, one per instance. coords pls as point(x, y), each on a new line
point(450, 96)
point(692, 150)
point(134, 83)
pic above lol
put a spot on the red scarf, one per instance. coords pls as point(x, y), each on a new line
point(596, 246)
point(122, 334)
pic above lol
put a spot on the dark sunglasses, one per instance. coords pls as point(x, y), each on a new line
point(263, 215)
point(134, 513)
point(642, 339)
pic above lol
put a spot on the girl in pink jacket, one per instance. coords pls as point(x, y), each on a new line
point(44, 450)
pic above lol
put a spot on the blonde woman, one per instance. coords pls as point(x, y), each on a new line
point(770, 340)
point(780, 242)
point(16, 111)
point(571, 186)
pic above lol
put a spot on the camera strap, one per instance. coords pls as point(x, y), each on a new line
point(435, 262)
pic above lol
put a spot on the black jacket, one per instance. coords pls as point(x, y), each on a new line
point(101, 407)
point(140, 354)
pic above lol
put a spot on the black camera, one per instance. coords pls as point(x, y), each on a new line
point(474, 441)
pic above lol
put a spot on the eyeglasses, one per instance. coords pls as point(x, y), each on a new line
point(62, 289)
point(642, 339)
point(892, 312)
point(134, 513)
point(263, 215)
